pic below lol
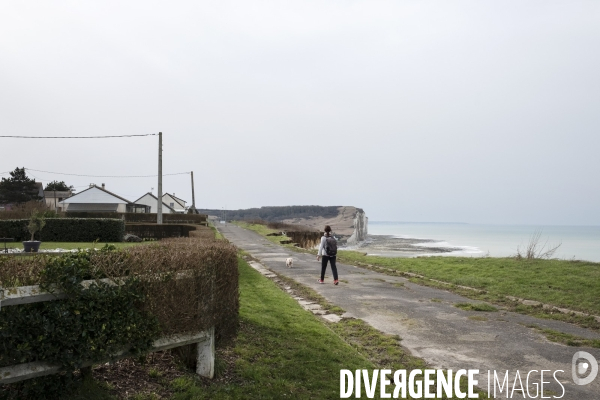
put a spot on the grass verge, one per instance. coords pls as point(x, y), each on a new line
point(264, 231)
point(476, 307)
point(566, 338)
point(282, 351)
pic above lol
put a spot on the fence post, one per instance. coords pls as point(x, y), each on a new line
point(205, 363)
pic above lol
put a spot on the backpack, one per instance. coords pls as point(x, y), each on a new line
point(330, 246)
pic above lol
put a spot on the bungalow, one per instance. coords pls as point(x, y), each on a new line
point(151, 201)
point(174, 202)
point(98, 199)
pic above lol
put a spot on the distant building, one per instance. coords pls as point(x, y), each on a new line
point(151, 201)
point(98, 199)
point(174, 202)
point(54, 197)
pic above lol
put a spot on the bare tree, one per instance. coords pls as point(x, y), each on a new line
point(535, 249)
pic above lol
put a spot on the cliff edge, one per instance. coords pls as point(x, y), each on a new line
point(350, 225)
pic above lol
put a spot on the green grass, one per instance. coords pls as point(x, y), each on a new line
point(262, 230)
point(284, 351)
point(569, 284)
point(566, 338)
point(475, 307)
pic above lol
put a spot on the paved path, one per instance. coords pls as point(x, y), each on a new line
point(435, 330)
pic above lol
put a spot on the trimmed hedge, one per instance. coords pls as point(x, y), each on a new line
point(67, 230)
point(155, 231)
point(172, 287)
point(149, 218)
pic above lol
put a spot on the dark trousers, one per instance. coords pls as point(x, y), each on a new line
point(331, 260)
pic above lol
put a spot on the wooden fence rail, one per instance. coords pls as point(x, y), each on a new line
point(34, 294)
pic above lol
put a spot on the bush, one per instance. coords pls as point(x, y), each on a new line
point(67, 230)
point(24, 210)
point(172, 287)
point(155, 231)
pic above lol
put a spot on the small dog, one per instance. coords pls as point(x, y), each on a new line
point(289, 262)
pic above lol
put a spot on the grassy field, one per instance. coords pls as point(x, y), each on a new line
point(283, 351)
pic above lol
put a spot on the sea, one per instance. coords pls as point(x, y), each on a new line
point(478, 240)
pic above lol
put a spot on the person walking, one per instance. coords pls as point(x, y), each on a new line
point(328, 252)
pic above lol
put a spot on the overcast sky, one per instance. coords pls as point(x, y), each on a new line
point(470, 111)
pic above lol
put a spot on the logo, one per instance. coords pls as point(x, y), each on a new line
point(581, 364)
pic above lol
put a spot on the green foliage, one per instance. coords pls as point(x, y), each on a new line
point(18, 188)
point(36, 223)
point(68, 229)
point(59, 186)
point(89, 325)
point(566, 338)
point(475, 307)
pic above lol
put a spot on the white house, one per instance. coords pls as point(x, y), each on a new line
point(54, 197)
point(174, 202)
point(98, 199)
point(151, 200)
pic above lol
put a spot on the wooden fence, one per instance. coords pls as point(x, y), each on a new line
point(33, 294)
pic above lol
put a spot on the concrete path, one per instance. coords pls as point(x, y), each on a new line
point(431, 327)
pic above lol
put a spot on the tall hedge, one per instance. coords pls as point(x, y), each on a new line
point(67, 230)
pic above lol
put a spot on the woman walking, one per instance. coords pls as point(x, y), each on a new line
point(328, 251)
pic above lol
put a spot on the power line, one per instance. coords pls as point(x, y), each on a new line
point(74, 137)
point(106, 176)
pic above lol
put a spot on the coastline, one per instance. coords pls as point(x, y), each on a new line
point(392, 246)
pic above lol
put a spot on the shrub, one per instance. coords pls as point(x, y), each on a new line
point(170, 287)
point(67, 230)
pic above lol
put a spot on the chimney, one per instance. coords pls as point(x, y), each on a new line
point(103, 186)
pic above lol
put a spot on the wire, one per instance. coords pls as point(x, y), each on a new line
point(106, 176)
point(75, 137)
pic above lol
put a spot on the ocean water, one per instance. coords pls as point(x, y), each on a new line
point(578, 242)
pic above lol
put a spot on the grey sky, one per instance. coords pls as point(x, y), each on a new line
point(471, 111)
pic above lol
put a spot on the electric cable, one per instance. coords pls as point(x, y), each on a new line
point(75, 137)
point(106, 176)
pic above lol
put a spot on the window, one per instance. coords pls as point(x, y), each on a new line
point(172, 205)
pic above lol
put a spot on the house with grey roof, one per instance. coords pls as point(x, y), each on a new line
point(175, 202)
point(98, 199)
point(151, 201)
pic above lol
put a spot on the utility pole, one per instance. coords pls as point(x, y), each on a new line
point(193, 195)
point(159, 202)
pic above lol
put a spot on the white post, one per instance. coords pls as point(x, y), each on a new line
point(159, 218)
point(205, 363)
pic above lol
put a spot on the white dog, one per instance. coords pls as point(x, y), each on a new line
point(289, 262)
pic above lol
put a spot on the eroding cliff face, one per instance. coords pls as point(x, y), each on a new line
point(349, 224)
point(361, 224)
